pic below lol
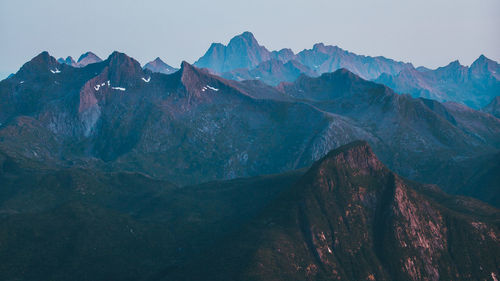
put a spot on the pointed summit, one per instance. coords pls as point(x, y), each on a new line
point(88, 58)
point(69, 61)
point(43, 63)
point(485, 67)
point(159, 66)
point(123, 70)
point(247, 35)
point(356, 156)
point(243, 51)
point(190, 76)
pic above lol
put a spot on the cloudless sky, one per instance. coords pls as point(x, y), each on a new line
point(425, 32)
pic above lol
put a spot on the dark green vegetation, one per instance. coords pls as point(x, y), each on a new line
point(81, 224)
point(347, 217)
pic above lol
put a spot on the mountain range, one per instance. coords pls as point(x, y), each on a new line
point(244, 59)
point(249, 165)
point(192, 126)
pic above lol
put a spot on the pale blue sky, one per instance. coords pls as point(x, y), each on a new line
point(426, 32)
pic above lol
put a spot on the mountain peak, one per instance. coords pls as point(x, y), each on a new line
point(159, 66)
point(118, 57)
point(454, 64)
point(87, 55)
point(242, 51)
point(356, 155)
point(88, 58)
point(43, 56)
point(186, 65)
point(41, 63)
point(188, 73)
point(483, 62)
point(247, 35)
point(245, 40)
point(353, 159)
point(123, 69)
point(69, 61)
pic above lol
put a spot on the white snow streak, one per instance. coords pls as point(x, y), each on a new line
point(118, 88)
point(146, 80)
point(55, 71)
point(212, 88)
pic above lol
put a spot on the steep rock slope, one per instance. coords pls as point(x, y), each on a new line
point(350, 218)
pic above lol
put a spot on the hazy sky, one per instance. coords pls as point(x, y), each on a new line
point(425, 32)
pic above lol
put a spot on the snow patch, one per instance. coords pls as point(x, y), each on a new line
point(212, 88)
point(55, 71)
point(118, 88)
point(21, 82)
point(329, 250)
point(146, 80)
point(96, 87)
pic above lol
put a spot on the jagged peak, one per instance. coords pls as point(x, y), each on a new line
point(357, 156)
point(121, 58)
point(89, 55)
point(247, 37)
point(318, 46)
point(483, 60)
point(158, 60)
point(321, 47)
point(186, 66)
point(342, 72)
point(188, 71)
point(43, 56)
point(41, 63)
point(454, 64)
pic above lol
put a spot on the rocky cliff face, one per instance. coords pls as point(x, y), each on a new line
point(350, 218)
point(243, 51)
point(347, 217)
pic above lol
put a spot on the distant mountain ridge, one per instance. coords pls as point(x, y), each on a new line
point(84, 60)
point(117, 115)
point(474, 86)
point(243, 51)
point(244, 59)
